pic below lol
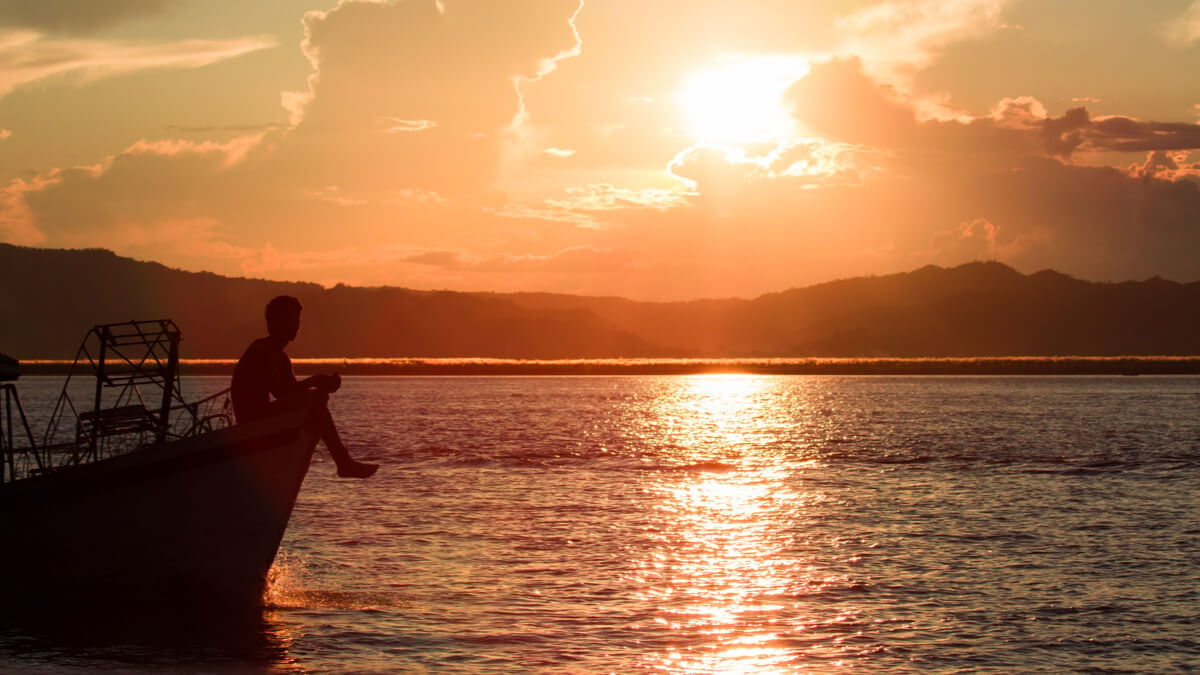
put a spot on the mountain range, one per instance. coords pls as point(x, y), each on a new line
point(50, 297)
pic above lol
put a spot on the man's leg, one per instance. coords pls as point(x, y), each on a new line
point(321, 423)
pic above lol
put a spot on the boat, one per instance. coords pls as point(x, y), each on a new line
point(10, 368)
point(136, 496)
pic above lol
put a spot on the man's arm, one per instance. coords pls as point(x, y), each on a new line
point(324, 383)
point(284, 384)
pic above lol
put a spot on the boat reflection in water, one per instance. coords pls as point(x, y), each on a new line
point(722, 570)
point(115, 637)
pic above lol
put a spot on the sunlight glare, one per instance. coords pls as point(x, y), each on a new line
point(742, 102)
point(718, 571)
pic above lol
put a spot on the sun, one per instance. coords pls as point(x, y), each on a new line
point(742, 102)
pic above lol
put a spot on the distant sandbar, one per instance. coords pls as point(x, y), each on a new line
point(1024, 365)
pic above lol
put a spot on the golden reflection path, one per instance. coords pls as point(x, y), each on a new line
point(717, 572)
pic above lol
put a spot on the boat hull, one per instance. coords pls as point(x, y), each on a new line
point(192, 521)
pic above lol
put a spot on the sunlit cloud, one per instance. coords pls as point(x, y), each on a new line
point(17, 222)
point(124, 200)
point(1185, 29)
point(454, 107)
point(909, 33)
point(1167, 165)
point(29, 56)
point(609, 197)
point(799, 163)
point(395, 125)
point(586, 206)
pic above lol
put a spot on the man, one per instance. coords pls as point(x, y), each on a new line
point(265, 371)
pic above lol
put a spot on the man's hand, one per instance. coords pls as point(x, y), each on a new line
point(327, 383)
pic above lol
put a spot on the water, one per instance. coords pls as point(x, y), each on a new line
point(716, 524)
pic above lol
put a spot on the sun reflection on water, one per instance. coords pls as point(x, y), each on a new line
point(716, 572)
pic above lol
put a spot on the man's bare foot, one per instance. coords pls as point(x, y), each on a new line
point(350, 468)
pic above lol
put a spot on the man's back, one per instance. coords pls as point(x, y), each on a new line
point(263, 370)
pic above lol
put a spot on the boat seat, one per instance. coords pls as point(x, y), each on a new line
point(112, 421)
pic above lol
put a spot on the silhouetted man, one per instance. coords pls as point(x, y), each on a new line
point(265, 371)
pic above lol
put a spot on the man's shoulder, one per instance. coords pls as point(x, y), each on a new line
point(263, 348)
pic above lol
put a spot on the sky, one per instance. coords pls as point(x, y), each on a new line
point(656, 150)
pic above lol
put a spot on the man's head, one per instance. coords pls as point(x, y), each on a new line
point(283, 317)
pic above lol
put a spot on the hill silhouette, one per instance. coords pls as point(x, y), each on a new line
point(49, 298)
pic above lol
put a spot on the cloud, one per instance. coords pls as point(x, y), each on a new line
point(579, 268)
point(1157, 163)
point(415, 117)
point(590, 206)
point(407, 107)
point(1126, 134)
point(712, 170)
point(1064, 134)
point(972, 240)
point(839, 101)
point(1167, 165)
point(899, 191)
point(74, 16)
point(17, 222)
point(443, 259)
point(124, 200)
point(444, 83)
point(1184, 29)
point(208, 129)
point(604, 197)
point(28, 56)
point(907, 34)
point(1077, 130)
point(394, 125)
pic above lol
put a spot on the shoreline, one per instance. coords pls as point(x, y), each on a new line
point(1059, 365)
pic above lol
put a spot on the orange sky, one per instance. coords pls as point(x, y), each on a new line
point(671, 149)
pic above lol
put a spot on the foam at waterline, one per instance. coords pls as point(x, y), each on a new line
point(289, 587)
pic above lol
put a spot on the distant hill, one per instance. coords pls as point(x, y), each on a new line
point(49, 298)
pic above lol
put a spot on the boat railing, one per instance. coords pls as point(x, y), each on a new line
point(131, 401)
point(202, 416)
point(12, 456)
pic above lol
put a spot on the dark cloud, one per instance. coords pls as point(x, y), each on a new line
point(1062, 135)
point(446, 259)
point(1076, 130)
point(1125, 134)
point(73, 16)
point(839, 101)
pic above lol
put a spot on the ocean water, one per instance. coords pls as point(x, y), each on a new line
point(713, 524)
